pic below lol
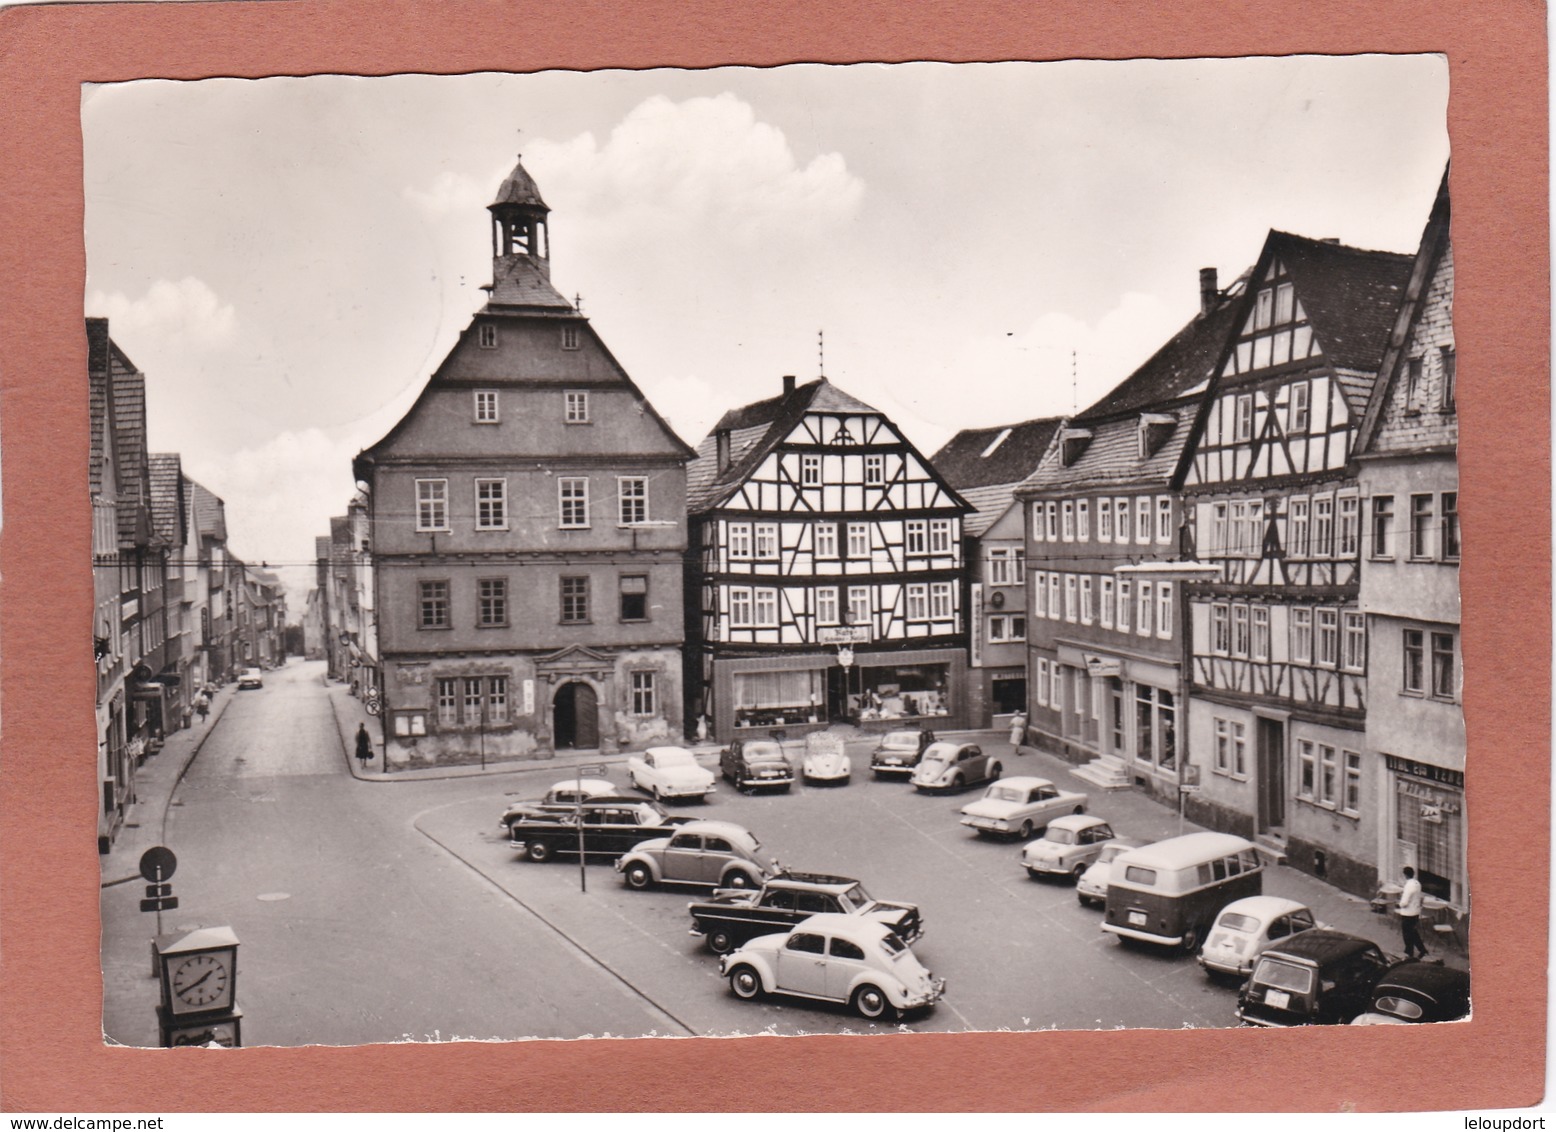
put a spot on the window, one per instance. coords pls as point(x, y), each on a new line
point(999, 567)
point(1285, 303)
point(1328, 637)
point(473, 699)
point(1018, 627)
point(1350, 527)
point(858, 540)
point(488, 336)
point(940, 536)
point(1414, 393)
point(940, 607)
point(1164, 518)
point(1261, 632)
point(875, 470)
point(1450, 548)
point(448, 702)
point(826, 540)
point(1086, 607)
point(1444, 686)
point(1051, 521)
point(917, 536)
point(1231, 751)
point(1040, 595)
point(1248, 527)
point(1107, 603)
point(1328, 776)
point(1218, 544)
point(859, 605)
point(1104, 520)
point(740, 540)
point(573, 499)
point(491, 602)
point(1121, 520)
point(1056, 686)
point(1054, 608)
point(1420, 526)
point(1350, 800)
point(1143, 610)
point(1164, 609)
point(1018, 566)
point(569, 337)
point(918, 603)
point(1244, 420)
point(1143, 519)
point(1070, 593)
point(643, 699)
point(1354, 658)
point(632, 491)
point(1239, 630)
point(1220, 637)
point(575, 601)
point(1083, 520)
point(633, 597)
point(434, 605)
point(1383, 526)
point(810, 471)
point(577, 407)
point(1302, 636)
point(485, 406)
point(826, 605)
point(1003, 627)
point(1038, 527)
point(766, 608)
point(497, 699)
point(1307, 770)
point(1323, 526)
point(1297, 528)
point(1124, 600)
point(491, 505)
point(1264, 307)
point(1450, 378)
point(1297, 409)
point(767, 540)
point(1042, 681)
point(740, 608)
point(1414, 668)
point(432, 505)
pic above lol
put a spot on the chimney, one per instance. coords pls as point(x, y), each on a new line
point(1208, 295)
point(788, 385)
point(721, 448)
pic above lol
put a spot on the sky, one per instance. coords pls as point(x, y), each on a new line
point(959, 245)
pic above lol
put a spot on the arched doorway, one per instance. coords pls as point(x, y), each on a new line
point(575, 719)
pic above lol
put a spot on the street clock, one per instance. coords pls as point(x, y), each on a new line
point(199, 972)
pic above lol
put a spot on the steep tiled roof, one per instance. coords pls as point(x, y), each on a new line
point(519, 282)
point(519, 188)
point(210, 513)
point(972, 459)
point(1112, 456)
point(1184, 362)
point(128, 414)
point(1351, 295)
point(97, 393)
point(167, 512)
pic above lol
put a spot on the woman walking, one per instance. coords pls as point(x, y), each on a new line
point(364, 745)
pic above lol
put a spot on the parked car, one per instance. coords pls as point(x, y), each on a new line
point(561, 796)
point(899, 752)
point(609, 826)
point(728, 919)
point(719, 854)
point(1068, 846)
point(1318, 977)
point(825, 760)
point(669, 772)
point(1246, 928)
point(1092, 887)
point(950, 766)
point(835, 958)
point(1018, 806)
point(751, 763)
point(1169, 893)
point(1418, 991)
point(251, 678)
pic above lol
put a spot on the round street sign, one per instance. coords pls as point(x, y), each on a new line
point(158, 863)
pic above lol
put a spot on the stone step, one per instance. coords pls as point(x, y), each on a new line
point(1271, 846)
point(1099, 774)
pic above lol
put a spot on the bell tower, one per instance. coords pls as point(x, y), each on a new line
point(519, 224)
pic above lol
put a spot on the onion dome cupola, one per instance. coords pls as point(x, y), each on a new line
point(519, 223)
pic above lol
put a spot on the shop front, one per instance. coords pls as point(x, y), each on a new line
point(1427, 827)
point(1124, 707)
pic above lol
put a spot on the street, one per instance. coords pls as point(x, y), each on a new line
point(377, 911)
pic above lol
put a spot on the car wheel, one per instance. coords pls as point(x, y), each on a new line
point(1078, 871)
point(720, 942)
point(638, 876)
point(995, 771)
point(956, 782)
point(1084, 902)
point(538, 851)
point(738, 879)
point(844, 781)
point(1191, 940)
point(1078, 810)
point(871, 1002)
point(1026, 830)
point(745, 982)
point(633, 779)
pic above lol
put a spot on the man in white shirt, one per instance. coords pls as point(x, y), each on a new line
point(1410, 915)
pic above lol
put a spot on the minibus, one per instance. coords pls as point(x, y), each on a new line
point(1169, 893)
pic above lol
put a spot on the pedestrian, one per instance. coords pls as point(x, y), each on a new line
point(184, 715)
point(1410, 915)
point(1018, 730)
point(364, 745)
point(202, 705)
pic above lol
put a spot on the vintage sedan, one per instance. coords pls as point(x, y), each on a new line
point(562, 796)
point(899, 752)
point(601, 825)
point(1316, 977)
point(825, 760)
point(753, 763)
point(251, 678)
point(727, 919)
point(835, 958)
point(1092, 887)
point(718, 854)
point(1068, 846)
point(1245, 929)
point(669, 772)
point(1418, 991)
point(951, 766)
point(1017, 806)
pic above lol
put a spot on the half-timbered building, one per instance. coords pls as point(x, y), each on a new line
point(527, 519)
point(1278, 643)
point(985, 465)
point(1409, 482)
point(828, 571)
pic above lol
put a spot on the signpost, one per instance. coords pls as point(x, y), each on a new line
point(1188, 784)
point(593, 770)
point(157, 865)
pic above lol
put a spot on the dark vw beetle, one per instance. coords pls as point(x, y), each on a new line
point(751, 763)
point(1317, 976)
point(1418, 991)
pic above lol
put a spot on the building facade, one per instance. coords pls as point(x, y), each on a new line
point(1409, 484)
point(527, 533)
point(1277, 664)
point(829, 571)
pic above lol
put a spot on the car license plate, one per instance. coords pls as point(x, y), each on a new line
point(1137, 919)
point(1278, 999)
point(893, 762)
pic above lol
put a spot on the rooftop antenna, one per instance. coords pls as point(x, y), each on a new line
point(1074, 382)
point(821, 353)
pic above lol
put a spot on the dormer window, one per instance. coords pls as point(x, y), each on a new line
point(1154, 429)
point(487, 335)
point(569, 337)
point(1072, 443)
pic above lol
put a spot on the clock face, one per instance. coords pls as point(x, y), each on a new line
point(200, 981)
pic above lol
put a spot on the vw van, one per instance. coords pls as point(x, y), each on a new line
point(1169, 893)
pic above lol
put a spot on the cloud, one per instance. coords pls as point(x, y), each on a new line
point(452, 194)
point(187, 312)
